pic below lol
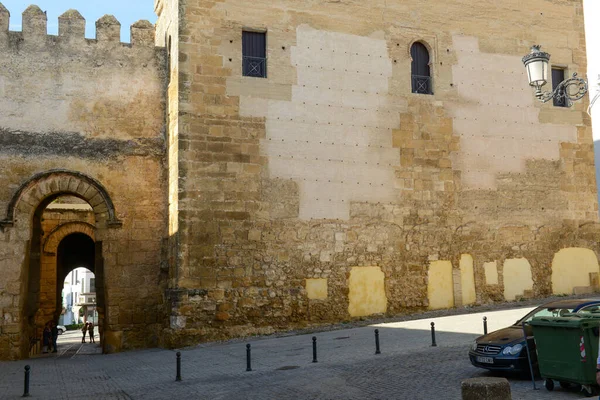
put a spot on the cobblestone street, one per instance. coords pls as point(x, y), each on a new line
point(408, 368)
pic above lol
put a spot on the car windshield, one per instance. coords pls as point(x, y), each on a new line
point(545, 312)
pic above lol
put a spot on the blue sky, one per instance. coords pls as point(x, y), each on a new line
point(126, 11)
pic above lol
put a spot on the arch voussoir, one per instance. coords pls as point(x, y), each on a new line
point(63, 183)
point(96, 200)
point(53, 185)
point(42, 186)
point(25, 207)
point(73, 184)
point(61, 231)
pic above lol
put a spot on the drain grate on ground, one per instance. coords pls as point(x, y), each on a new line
point(342, 337)
point(287, 367)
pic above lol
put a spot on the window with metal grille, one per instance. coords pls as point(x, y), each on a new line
point(558, 75)
point(421, 73)
point(254, 54)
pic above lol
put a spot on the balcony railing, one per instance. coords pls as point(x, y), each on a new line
point(254, 66)
point(421, 84)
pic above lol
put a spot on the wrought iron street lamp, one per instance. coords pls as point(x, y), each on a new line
point(570, 90)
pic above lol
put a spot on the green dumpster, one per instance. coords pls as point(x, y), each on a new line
point(567, 350)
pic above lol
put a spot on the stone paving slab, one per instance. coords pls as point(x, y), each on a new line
point(408, 368)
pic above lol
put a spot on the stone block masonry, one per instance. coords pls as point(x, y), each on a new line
point(224, 205)
point(84, 118)
point(329, 169)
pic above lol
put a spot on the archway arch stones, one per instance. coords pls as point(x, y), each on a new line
point(61, 231)
point(46, 185)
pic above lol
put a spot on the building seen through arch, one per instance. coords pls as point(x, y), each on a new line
point(79, 298)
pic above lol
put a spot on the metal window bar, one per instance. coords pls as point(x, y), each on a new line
point(421, 84)
point(558, 76)
point(254, 66)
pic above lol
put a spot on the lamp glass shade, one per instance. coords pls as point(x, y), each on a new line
point(536, 63)
point(537, 72)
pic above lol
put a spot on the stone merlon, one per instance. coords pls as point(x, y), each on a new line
point(35, 23)
point(71, 24)
point(4, 20)
point(108, 28)
point(142, 33)
point(71, 29)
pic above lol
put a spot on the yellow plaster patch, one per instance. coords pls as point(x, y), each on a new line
point(367, 291)
point(316, 289)
point(517, 277)
point(440, 290)
point(572, 267)
point(491, 272)
point(467, 279)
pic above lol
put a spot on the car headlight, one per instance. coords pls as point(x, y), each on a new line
point(512, 350)
point(516, 349)
point(474, 345)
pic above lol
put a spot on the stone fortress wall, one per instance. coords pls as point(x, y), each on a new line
point(328, 191)
point(225, 206)
point(86, 118)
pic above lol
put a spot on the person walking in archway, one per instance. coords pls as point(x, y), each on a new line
point(54, 335)
point(84, 330)
point(91, 332)
point(46, 337)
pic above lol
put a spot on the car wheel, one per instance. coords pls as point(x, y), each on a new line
point(549, 384)
point(60, 331)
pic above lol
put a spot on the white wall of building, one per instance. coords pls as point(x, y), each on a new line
point(592, 32)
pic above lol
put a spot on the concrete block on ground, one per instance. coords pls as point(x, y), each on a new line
point(486, 389)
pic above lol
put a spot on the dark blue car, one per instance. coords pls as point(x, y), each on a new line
point(504, 349)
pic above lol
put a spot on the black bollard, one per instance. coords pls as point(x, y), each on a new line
point(248, 358)
point(485, 325)
point(377, 350)
point(433, 343)
point(178, 377)
point(26, 389)
point(315, 349)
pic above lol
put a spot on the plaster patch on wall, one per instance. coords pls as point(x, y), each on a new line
point(335, 135)
point(572, 267)
point(366, 291)
point(316, 289)
point(467, 279)
point(491, 272)
point(440, 290)
point(517, 277)
point(497, 121)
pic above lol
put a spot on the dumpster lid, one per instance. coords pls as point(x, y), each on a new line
point(570, 321)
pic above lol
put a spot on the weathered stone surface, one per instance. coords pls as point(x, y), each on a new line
point(331, 163)
point(486, 389)
point(229, 205)
point(79, 120)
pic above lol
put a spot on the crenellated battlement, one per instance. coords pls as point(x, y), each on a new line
point(71, 30)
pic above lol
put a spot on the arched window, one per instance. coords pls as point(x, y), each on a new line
point(421, 73)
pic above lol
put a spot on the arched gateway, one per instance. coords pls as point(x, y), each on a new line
point(50, 228)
